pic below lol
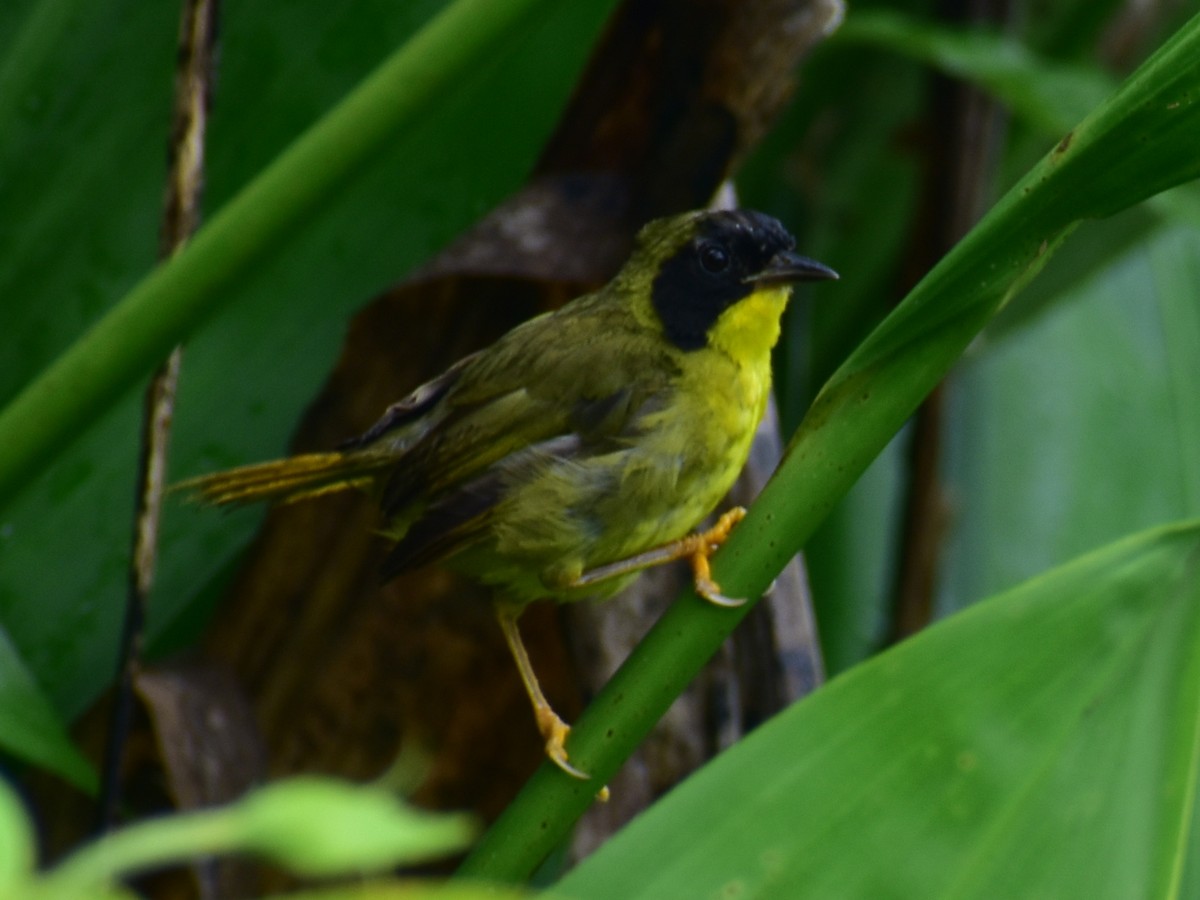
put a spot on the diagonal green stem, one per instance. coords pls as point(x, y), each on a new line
point(1141, 141)
point(170, 302)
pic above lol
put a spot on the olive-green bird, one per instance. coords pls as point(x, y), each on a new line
point(584, 445)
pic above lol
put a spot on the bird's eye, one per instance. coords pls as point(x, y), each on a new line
point(714, 259)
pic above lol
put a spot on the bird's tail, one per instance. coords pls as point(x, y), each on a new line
point(292, 478)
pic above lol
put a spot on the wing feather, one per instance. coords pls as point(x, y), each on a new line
point(460, 516)
point(540, 381)
point(554, 388)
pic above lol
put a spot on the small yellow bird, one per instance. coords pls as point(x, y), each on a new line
point(584, 445)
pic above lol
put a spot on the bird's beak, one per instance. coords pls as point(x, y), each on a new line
point(787, 267)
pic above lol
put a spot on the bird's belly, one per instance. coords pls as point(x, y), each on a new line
point(580, 514)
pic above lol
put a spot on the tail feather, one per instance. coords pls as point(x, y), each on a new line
point(293, 478)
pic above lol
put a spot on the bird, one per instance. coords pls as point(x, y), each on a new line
point(584, 445)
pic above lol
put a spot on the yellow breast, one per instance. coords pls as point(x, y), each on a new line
point(722, 394)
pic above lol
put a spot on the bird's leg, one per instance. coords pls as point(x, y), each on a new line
point(696, 547)
point(553, 728)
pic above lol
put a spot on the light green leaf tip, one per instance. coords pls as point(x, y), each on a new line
point(312, 826)
point(30, 728)
point(319, 826)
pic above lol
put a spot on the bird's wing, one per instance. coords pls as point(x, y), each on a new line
point(564, 399)
point(455, 518)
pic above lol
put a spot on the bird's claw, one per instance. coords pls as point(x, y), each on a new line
point(706, 586)
point(711, 591)
point(556, 731)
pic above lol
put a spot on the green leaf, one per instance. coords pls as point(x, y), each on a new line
point(250, 371)
point(315, 827)
point(948, 767)
point(312, 826)
point(30, 729)
point(17, 851)
point(1102, 387)
point(169, 303)
point(69, 156)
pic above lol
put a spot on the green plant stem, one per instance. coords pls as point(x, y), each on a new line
point(1141, 141)
point(170, 302)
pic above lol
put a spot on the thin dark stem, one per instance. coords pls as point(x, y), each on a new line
point(181, 207)
point(923, 524)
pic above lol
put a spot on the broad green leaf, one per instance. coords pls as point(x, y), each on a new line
point(250, 371)
point(30, 728)
point(81, 176)
point(1175, 270)
point(952, 767)
point(1080, 427)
